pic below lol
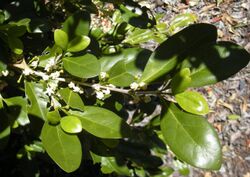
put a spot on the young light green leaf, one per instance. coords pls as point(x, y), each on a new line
point(119, 76)
point(181, 81)
point(192, 102)
point(65, 149)
point(38, 100)
point(109, 165)
point(215, 62)
point(53, 117)
point(170, 52)
point(61, 38)
point(78, 43)
point(22, 117)
point(71, 98)
point(85, 66)
point(191, 138)
point(102, 122)
point(71, 124)
point(16, 45)
point(180, 21)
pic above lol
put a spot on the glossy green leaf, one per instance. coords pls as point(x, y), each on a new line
point(16, 45)
point(215, 62)
point(21, 109)
point(85, 66)
point(61, 38)
point(71, 98)
point(139, 36)
point(191, 138)
point(192, 102)
point(181, 20)
point(77, 24)
point(170, 52)
point(119, 76)
point(53, 117)
point(48, 54)
point(38, 100)
point(71, 124)
point(102, 122)
point(135, 59)
point(78, 43)
point(181, 81)
point(65, 149)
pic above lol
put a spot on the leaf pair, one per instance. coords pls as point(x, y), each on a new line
point(77, 44)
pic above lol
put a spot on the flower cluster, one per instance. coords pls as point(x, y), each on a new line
point(75, 88)
point(100, 93)
point(138, 86)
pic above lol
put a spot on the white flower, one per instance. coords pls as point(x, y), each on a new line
point(134, 86)
point(5, 73)
point(44, 76)
point(143, 85)
point(103, 75)
point(96, 87)
point(106, 92)
point(50, 64)
point(71, 85)
point(111, 85)
point(49, 91)
point(99, 95)
point(55, 75)
point(77, 89)
point(27, 71)
point(34, 63)
point(53, 84)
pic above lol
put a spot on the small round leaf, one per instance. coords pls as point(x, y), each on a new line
point(192, 102)
point(61, 38)
point(71, 124)
point(78, 43)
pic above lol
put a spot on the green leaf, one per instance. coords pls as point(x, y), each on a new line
point(109, 165)
point(85, 66)
point(192, 102)
point(233, 117)
point(102, 122)
point(181, 20)
point(61, 38)
point(77, 24)
point(65, 149)
point(71, 98)
point(38, 100)
point(5, 130)
point(191, 138)
point(78, 43)
point(139, 36)
point(22, 118)
point(71, 124)
point(15, 45)
point(181, 81)
point(135, 59)
point(53, 117)
point(170, 52)
point(215, 62)
point(17, 31)
point(119, 76)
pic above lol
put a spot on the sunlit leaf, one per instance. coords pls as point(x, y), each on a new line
point(38, 100)
point(61, 38)
point(71, 124)
point(65, 149)
point(71, 98)
point(191, 138)
point(85, 66)
point(192, 102)
point(181, 81)
point(102, 122)
point(78, 43)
